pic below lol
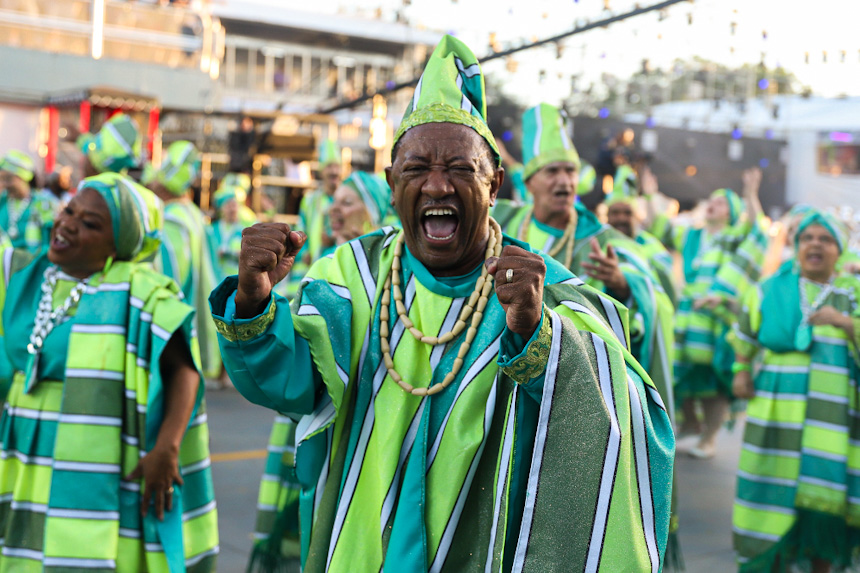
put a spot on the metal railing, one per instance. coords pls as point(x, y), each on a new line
point(172, 36)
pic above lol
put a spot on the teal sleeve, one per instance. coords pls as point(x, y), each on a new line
point(268, 363)
point(513, 348)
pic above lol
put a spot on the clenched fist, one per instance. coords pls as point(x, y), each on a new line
point(522, 296)
point(268, 253)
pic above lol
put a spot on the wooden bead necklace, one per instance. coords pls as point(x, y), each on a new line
point(568, 239)
point(474, 308)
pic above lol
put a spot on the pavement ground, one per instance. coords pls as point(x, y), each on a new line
point(240, 431)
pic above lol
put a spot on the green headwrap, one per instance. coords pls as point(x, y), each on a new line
point(545, 139)
point(136, 214)
point(180, 167)
point(374, 192)
point(624, 187)
point(451, 90)
point(242, 180)
point(227, 193)
point(116, 147)
point(18, 163)
point(329, 152)
point(736, 205)
point(833, 225)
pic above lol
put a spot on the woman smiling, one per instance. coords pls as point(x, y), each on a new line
point(798, 490)
point(105, 401)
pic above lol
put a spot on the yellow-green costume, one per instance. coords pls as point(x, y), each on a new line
point(798, 484)
point(25, 223)
point(186, 255)
point(478, 476)
point(76, 426)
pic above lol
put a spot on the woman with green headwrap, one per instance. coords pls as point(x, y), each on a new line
point(360, 206)
point(104, 457)
point(226, 231)
point(796, 359)
point(25, 213)
point(721, 260)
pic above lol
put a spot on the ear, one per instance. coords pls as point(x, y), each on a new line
point(390, 179)
point(496, 184)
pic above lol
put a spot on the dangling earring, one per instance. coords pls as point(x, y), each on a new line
point(108, 264)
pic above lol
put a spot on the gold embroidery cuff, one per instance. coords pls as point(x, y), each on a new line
point(534, 358)
point(247, 330)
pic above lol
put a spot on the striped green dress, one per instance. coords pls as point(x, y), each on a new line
point(565, 467)
point(186, 257)
point(68, 439)
point(726, 265)
point(798, 486)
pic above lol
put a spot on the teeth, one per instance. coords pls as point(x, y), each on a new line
point(61, 239)
point(441, 238)
point(438, 212)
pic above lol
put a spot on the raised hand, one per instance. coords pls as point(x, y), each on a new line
point(522, 296)
point(268, 253)
point(752, 181)
point(604, 267)
point(648, 182)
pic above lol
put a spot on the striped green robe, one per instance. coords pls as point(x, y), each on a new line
point(68, 440)
point(569, 469)
point(798, 488)
point(226, 242)
point(725, 265)
point(650, 307)
point(661, 262)
point(186, 257)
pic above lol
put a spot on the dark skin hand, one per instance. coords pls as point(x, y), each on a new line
point(268, 253)
point(604, 267)
point(160, 467)
point(522, 298)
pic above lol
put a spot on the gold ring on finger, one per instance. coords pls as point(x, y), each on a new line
point(170, 490)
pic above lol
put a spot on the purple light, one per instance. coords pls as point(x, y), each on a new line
point(737, 133)
point(763, 83)
point(841, 137)
point(650, 122)
point(452, 33)
point(390, 85)
point(603, 113)
point(508, 135)
point(768, 134)
point(764, 163)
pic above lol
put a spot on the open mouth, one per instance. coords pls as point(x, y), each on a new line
point(440, 223)
point(814, 258)
point(59, 242)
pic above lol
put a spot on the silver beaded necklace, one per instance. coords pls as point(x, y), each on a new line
point(806, 308)
point(48, 318)
point(15, 216)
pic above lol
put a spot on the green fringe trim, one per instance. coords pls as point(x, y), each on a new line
point(813, 536)
point(674, 559)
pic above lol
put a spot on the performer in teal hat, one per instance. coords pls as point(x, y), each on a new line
point(104, 449)
point(721, 261)
point(797, 494)
point(186, 254)
point(26, 215)
point(114, 149)
point(448, 380)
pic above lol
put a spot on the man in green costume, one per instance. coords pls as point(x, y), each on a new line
point(529, 441)
point(186, 255)
point(26, 215)
point(601, 256)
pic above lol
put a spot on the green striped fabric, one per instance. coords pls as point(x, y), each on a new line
point(186, 258)
point(226, 242)
point(475, 477)
point(798, 488)
point(661, 261)
point(66, 445)
point(313, 220)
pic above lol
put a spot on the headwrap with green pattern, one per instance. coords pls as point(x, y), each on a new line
point(546, 139)
point(374, 193)
point(136, 214)
point(833, 225)
point(329, 152)
point(451, 90)
point(228, 193)
point(736, 204)
point(180, 167)
point(116, 147)
point(18, 163)
point(242, 180)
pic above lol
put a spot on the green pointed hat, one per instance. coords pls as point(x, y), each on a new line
point(451, 90)
point(624, 186)
point(329, 152)
point(18, 163)
point(116, 147)
point(180, 167)
point(545, 139)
